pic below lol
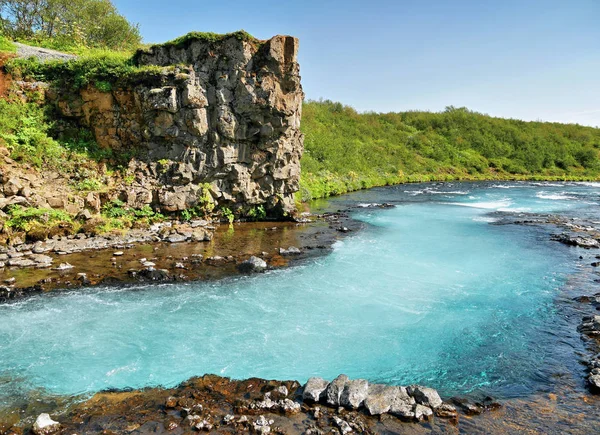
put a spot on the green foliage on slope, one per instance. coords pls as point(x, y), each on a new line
point(346, 151)
point(68, 25)
point(6, 45)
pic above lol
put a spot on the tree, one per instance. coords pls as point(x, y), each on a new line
point(92, 23)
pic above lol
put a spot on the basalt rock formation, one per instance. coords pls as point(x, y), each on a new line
point(222, 115)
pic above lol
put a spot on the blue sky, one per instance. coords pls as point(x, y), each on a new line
point(526, 59)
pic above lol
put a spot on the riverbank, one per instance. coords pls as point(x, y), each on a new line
point(167, 252)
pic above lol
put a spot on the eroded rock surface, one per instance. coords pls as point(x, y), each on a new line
point(226, 119)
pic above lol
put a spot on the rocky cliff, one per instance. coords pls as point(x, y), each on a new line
point(222, 116)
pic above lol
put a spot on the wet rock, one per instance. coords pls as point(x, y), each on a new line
point(44, 425)
point(583, 242)
point(63, 266)
point(314, 390)
point(446, 410)
point(253, 264)
point(176, 238)
point(354, 394)
point(425, 396)
point(594, 382)
point(590, 325)
point(334, 390)
point(151, 274)
point(118, 253)
point(467, 407)
point(42, 260)
point(292, 250)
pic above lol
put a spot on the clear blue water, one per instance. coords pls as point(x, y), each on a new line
point(430, 292)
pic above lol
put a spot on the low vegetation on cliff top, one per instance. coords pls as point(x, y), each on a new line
point(347, 151)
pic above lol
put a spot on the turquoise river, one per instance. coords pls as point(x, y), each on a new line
point(431, 291)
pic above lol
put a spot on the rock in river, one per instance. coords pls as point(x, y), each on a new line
point(253, 264)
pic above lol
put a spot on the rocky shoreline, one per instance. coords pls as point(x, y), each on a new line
point(214, 404)
point(583, 235)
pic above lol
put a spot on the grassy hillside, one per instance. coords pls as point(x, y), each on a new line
point(347, 151)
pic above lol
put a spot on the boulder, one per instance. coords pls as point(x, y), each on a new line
point(44, 425)
point(380, 398)
point(354, 394)
point(334, 390)
point(253, 264)
point(425, 396)
point(12, 187)
point(314, 390)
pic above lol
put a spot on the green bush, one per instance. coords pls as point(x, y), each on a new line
point(23, 219)
point(24, 131)
point(346, 150)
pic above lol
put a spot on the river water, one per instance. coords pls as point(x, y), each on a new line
point(431, 291)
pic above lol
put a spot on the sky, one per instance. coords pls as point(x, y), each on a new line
point(525, 59)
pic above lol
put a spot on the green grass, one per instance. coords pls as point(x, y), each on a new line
point(6, 45)
point(33, 135)
point(99, 68)
point(347, 151)
point(210, 37)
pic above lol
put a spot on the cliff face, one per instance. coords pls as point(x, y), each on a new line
point(222, 115)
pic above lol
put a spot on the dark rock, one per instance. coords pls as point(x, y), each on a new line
point(253, 264)
point(425, 396)
point(334, 390)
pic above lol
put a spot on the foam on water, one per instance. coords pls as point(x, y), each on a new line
point(428, 292)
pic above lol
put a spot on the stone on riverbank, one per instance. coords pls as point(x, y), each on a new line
point(253, 264)
point(44, 425)
point(407, 403)
point(335, 389)
point(314, 390)
point(354, 394)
